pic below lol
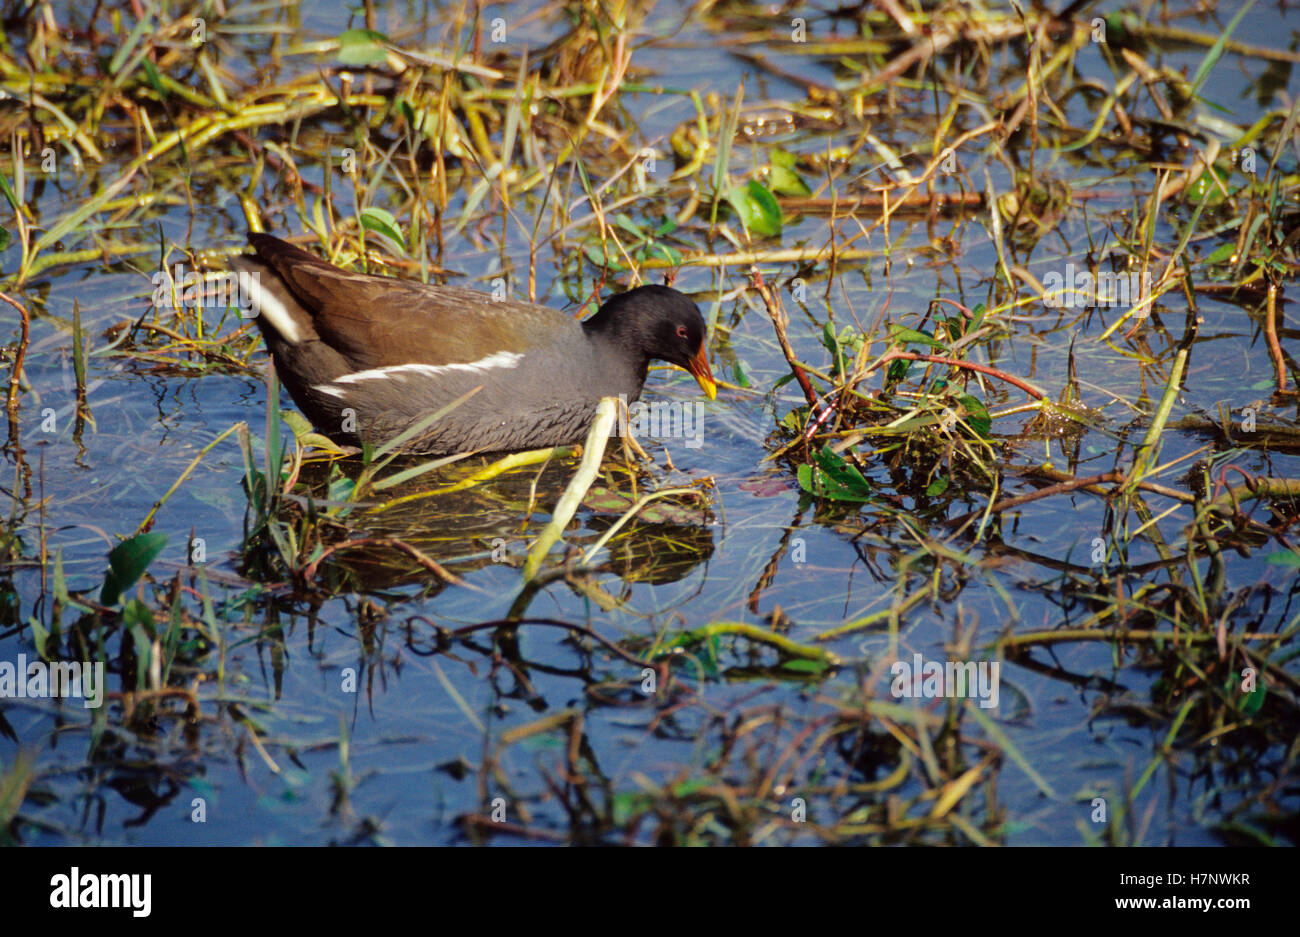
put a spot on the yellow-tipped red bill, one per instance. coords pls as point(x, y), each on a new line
point(699, 368)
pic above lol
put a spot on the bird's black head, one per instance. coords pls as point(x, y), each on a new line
point(658, 322)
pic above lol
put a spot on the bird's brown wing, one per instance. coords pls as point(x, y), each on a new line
point(377, 322)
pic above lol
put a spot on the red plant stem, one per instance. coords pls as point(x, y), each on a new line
point(20, 354)
point(814, 425)
point(778, 322)
point(1270, 330)
point(968, 365)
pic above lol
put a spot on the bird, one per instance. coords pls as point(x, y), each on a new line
point(366, 358)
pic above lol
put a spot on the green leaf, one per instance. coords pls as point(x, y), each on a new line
point(669, 254)
point(738, 375)
point(61, 598)
point(362, 47)
point(144, 25)
point(1210, 186)
point(839, 469)
point(39, 636)
point(828, 338)
point(833, 478)
point(298, 423)
point(137, 620)
point(603, 500)
point(757, 209)
point(805, 666)
point(385, 226)
point(136, 613)
point(305, 433)
point(127, 563)
point(317, 441)
point(9, 194)
point(416, 470)
point(897, 371)
point(902, 335)
point(977, 415)
point(84, 210)
point(78, 346)
point(938, 486)
point(628, 225)
point(1216, 51)
point(1287, 558)
point(341, 489)
point(151, 72)
point(1252, 702)
point(1222, 253)
point(787, 182)
point(1118, 27)
point(1247, 703)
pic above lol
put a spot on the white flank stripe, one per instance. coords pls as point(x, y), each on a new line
point(267, 305)
point(501, 359)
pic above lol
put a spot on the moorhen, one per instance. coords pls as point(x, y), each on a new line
point(367, 357)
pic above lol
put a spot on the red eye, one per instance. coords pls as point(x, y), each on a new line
point(681, 331)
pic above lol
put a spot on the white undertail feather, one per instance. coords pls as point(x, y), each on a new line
point(500, 359)
point(265, 303)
